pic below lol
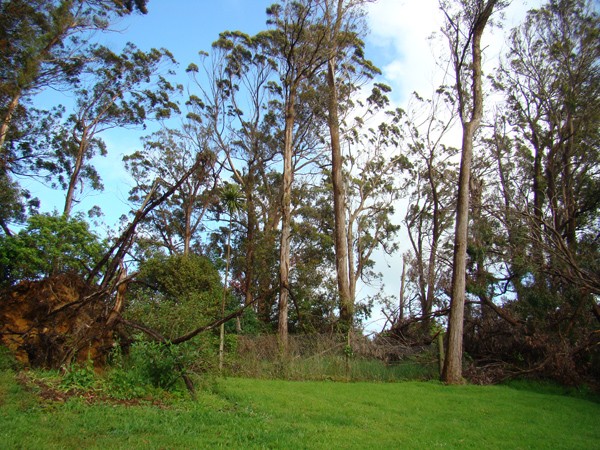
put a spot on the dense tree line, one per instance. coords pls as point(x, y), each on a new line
point(286, 169)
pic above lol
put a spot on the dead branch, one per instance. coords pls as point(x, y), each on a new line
point(122, 245)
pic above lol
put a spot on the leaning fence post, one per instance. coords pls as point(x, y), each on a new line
point(442, 356)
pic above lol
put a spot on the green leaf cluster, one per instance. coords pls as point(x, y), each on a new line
point(175, 294)
point(49, 244)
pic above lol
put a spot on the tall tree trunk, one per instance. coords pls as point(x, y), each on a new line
point(431, 279)
point(417, 245)
point(435, 238)
point(339, 203)
point(250, 244)
point(452, 372)
point(352, 271)
point(337, 178)
point(401, 300)
point(570, 202)
point(187, 233)
point(538, 205)
point(286, 220)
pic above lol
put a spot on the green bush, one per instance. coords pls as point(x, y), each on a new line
point(126, 384)
point(50, 244)
point(175, 294)
point(79, 376)
point(152, 365)
point(157, 364)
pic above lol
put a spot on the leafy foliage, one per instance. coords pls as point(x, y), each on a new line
point(44, 44)
point(49, 244)
point(179, 222)
point(175, 294)
point(79, 376)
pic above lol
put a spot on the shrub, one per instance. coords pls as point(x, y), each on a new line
point(175, 294)
point(50, 244)
point(152, 365)
point(79, 376)
point(157, 364)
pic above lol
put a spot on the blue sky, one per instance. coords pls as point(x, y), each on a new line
point(187, 26)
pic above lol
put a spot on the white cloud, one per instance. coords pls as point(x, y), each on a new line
point(400, 32)
point(401, 44)
point(401, 38)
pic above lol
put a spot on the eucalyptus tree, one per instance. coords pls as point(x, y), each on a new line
point(465, 23)
point(238, 101)
point(545, 148)
point(552, 86)
point(508, 187)
point(299, 48)
point(346, 66)
point(492, 230)
point(178, 223)
point(431, 183)
point(374, 166)
point(117, 91)
point(322, 66)
point(44, 45)
point(267, 102)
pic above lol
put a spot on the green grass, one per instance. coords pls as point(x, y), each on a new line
point(247, 413)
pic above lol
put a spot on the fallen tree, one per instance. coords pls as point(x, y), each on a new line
point(67, 317)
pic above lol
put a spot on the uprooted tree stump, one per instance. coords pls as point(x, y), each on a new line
point(50, 323)
point(53, 322)
point(68, 317)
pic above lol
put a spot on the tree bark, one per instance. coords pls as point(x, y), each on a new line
point(222, 327)
point(435, 238)
point(538, 203)
point(401, 296)
point(187, 232)
point(75, 174)
point(452, 372)
point(250, 242)
point(339, 203)
point(286, 221)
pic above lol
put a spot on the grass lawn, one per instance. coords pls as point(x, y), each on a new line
point(246, 413)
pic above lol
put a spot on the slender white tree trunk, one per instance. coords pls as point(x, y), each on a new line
point(286, 222)
point(452, 371)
